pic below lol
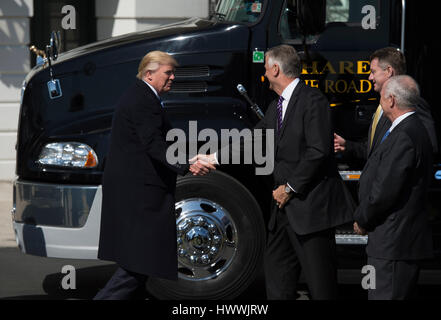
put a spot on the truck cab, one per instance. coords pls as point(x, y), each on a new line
point(66, 114)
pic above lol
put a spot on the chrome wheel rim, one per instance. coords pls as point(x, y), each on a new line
point(206, 239)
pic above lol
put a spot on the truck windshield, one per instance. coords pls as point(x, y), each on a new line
point(245, 11)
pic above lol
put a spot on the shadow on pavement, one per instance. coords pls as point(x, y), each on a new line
point(88, 282)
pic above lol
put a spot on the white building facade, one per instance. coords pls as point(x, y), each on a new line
point(19, 26)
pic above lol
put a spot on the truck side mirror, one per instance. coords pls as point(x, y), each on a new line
point(311, 16)
point(53, 86)
point(54, 43)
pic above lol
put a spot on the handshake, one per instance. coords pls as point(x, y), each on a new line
point(202, 164)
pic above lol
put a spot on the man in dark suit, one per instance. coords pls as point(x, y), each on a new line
point(138, 227)
point(309, 196)
point(385, 63)
point(392, 195)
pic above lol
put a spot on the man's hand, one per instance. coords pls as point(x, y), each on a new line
point(202, 164)
point(359, 230)
point(208, 158)
point(281, 197)
point(339, 143)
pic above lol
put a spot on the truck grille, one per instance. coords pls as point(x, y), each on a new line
point(192, 72)
point(189, 87)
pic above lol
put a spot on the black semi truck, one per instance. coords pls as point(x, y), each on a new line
point(68, 101)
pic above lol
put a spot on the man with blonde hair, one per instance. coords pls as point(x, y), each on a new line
point(138, 227)
point(153, 60)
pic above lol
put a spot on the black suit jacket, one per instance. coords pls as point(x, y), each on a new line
point(304, 158)
point(392, 194)
point(362, 150)
point(138, 226)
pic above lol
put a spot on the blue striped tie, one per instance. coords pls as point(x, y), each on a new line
point(279, 113)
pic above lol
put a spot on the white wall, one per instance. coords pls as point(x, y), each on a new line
point(14, 64)
point(116, 17)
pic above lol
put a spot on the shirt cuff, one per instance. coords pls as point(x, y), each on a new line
point(293, 190)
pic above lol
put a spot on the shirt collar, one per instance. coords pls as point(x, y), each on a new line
point(399, 119)
point(153, 89)
point(287, 93)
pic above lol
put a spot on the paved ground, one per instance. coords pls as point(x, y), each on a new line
point(7, 238)
point(27, 277)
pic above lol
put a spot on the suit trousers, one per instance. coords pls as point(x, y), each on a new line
point(287, 253)
point(394, 279)
point(124, 285)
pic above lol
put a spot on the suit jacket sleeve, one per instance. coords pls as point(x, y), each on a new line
point(356, 149)
point(235, 149)
point(317, 145)
point(387, 184)
point(148, 122)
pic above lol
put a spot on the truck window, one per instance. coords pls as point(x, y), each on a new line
point(340, 14)
point(245, 11)
point(347, 11)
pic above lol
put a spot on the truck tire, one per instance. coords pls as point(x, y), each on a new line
point(221, 239)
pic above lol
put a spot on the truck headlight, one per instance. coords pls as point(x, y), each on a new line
point(68, 154)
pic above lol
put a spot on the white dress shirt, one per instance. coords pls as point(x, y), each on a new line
point(287, 93)
point(399, 119)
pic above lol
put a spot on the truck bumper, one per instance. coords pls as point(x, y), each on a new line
point(54, 220)
point(63, 221)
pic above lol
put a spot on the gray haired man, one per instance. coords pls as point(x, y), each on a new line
point(309, 197)
point(392, 191)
